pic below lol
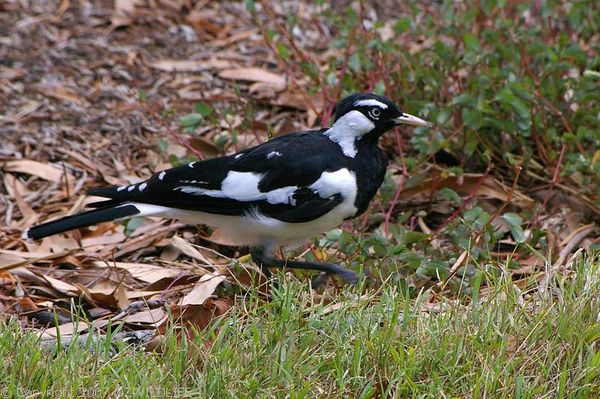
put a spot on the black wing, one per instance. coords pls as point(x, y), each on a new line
point(290, 163)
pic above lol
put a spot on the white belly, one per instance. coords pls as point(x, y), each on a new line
point(255, 229)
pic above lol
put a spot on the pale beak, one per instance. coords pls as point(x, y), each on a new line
point(407, 119)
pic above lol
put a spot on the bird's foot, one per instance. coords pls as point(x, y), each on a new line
point(265, 261)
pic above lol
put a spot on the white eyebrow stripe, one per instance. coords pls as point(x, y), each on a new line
point(370, 102)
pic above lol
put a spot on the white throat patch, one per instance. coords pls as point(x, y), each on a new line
point(349, 128)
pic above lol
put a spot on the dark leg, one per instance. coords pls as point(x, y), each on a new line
point(264, 261)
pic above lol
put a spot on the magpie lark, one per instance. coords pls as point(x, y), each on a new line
point(278, 193)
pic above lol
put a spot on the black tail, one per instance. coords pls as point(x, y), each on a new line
point(84, 219)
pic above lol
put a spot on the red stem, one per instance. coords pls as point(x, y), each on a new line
point(403, 176)
point(466, 202)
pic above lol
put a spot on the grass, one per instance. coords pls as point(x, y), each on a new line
point(518, 97)
point(511, 343)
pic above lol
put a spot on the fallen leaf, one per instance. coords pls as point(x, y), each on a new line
point(65, 330)
point(60, 92)
point(124, 11)
point(144, 272)
point(203, 290)
point(190, 65)
point(47, 171)
point(149, 316)
point(465, 184)
point(189, 250)
point(254, 75)
point(61, 286)
point(196, 317)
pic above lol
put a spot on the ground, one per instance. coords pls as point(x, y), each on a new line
point(479, 249)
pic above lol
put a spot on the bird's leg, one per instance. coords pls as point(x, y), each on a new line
point(264, 261)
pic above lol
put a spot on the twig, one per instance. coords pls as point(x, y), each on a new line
point(509, 197)
point(66, 180)
point(284, 64)
point(555, 174)
point(388, 214)
point(177, 136)
point(328, 108)
point(552, 184)
point(463, 205)
point(576, 237)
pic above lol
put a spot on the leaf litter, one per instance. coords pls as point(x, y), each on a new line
point(95, 110)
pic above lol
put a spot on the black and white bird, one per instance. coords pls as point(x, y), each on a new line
point(279, 193)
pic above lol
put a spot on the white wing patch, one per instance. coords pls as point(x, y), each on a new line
point(143, 186)
point(243, 186)
point(273, 154)
point(161, 175)
point(370, 103)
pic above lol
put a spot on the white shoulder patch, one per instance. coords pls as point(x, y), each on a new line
point(370, 103)
point(341, 181)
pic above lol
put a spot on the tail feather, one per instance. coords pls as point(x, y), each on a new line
point(84, 219)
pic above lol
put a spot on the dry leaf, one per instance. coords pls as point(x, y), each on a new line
point(255, 75)
point(124, 11)
point(47, 171)
point(465, 184)
point(189, 250)
point(144, 272)
point(149, 316)
point(65, 330)
point(190, 65)
point(203, 290)
point(60, 92)
point(196, 317)
point(61, 286)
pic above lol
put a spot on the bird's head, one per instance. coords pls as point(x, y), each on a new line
point(363, 114)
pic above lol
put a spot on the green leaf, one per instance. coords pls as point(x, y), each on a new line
point(414, 236)
point(450, 195)
point(354, 62)
point(402, 25)
point(379, 88)
point(132, 224)
point(203, 109)
point(464, 99)
point(471, 43)
point(163, 145)
point(191, 120)
point(283, 51)
point(506, 96)
point(514, 222)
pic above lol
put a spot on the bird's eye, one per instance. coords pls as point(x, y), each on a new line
point(374, 113)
